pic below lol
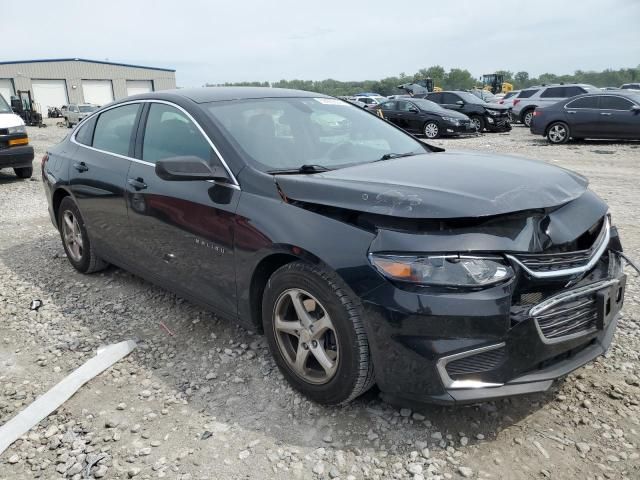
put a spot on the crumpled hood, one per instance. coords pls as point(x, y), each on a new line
point(496, 106)
point(439, 185)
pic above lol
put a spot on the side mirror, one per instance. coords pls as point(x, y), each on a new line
point(189, 168)
point(413, 110)
point(459, 102)
point(635, 108)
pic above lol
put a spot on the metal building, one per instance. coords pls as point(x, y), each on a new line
point(57, 82)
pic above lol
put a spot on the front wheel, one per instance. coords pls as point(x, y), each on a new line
point(431, 129)
point(558, 133)
point(24, 172)
point(75, 239)
point(316, 334)
point(477, 122)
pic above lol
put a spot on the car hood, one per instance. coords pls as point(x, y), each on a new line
point(439, 185)
point(10, 120)
point(496, 106)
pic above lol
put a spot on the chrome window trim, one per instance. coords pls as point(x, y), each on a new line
point(234, 183)
point(601, 248)
point(452, 384)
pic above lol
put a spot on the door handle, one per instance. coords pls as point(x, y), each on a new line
point(80, 166)
point(605, 114)
point(572, 112)
point(137, 183)
point(168, 257)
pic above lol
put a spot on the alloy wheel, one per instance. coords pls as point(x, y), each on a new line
point(306, 336)
point(557, 133)
point(527, 118)
point(72, 236)
point(431, 130)
point(476, 123)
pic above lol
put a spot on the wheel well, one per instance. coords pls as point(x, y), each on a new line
point(525, 110)
point(261, 276)
point(58, 195)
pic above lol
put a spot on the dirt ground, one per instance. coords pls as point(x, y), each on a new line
point(202, 399)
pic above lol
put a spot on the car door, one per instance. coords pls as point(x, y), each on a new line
point(451, 101)
point(404, 114)
point(389, 111)
point(414, 117)
point(98, 175)
point(617, 119)
point(182, 230)
point(583, 116)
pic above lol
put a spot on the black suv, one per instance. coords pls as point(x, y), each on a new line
point(491, 116)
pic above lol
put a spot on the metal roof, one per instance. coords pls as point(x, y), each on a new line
point(50, 60)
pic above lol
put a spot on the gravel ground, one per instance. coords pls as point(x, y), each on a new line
point(202, 398)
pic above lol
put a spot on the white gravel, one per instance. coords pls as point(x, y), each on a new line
point(208, 401)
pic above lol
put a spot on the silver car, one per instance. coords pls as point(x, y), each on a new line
point(543, 96)
point(75, 112)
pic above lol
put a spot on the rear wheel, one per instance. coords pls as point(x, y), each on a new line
point(478, 122)
point(431, 129)
point(75, 239)
point(315, 332)
point(527, 116)
point(558, 132)
point(24, 172)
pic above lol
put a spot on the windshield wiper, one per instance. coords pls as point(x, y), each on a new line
point(389, 156)
point(307, 168)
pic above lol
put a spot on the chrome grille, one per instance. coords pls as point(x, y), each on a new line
point(481, 362)
point(579, 316)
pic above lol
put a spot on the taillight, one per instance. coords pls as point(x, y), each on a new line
point(537, 113)
point(515, 102)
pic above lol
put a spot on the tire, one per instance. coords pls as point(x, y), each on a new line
point(526, 117)
point(431, 129)
point(558, 133)
point(344, 345)
point(478, 121)
point(84, 258)
point(24, 172)
point(67, 123)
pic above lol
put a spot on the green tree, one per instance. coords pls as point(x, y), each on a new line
point(458, 79)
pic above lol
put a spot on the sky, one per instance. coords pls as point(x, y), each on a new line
point(253, 40)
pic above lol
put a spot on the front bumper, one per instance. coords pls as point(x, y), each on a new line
point(16, 157)
point(497, 123)
point(459, 129)
point(451, 347)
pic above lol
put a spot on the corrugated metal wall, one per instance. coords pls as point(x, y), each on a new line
point(73, 72)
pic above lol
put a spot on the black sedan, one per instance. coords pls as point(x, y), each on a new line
point(492, 117)
point(364, 255)
point(611, 115)
point(423, 117)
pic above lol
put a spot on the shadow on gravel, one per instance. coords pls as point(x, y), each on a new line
point(116, 305)
point(7, 178)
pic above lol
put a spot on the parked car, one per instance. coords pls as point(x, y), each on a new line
point(593, 115)
point(483, 115)
point(15, 151)
point(365, 255)
point(530, 98)
point(369, 99)
point(76, 112)
point(630, 86)
point(485, 95)
point(424, 117)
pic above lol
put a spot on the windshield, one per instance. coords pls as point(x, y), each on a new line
point(4, 106)
point(87, 108)
point(286, 133)
point(427, 104)
point(470, 98)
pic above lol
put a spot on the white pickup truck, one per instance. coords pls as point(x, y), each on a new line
point(15, 151)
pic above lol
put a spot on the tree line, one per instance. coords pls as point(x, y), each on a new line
point(454, 79)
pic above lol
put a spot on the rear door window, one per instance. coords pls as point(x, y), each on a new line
point(554, 92)
point(450, 98)
point(583, 102)
point(170, 133)
point(527, 93)
point(573, 91)
point(388, 106)
point(435, 97)
point(114, 129)
point(609, 102)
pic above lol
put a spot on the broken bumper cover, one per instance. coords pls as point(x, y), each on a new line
point(16, 157)
point(463, 348)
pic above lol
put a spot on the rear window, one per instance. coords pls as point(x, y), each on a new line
point(631, 86)
point(527, 93)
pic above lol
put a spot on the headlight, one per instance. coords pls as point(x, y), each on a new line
point(455, 121)
point(18, 129)
point(443, 270)
point(493, 112)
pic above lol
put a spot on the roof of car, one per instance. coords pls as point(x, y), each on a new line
point(217, 94)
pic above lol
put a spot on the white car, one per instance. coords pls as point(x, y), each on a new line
point(15, 151)
point(370, 100)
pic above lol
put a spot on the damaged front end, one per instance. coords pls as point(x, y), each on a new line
point(549, 284)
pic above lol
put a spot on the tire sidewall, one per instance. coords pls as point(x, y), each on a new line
point(343, 382)
point(528, 112)
point(480, 121)
point(68, 204)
